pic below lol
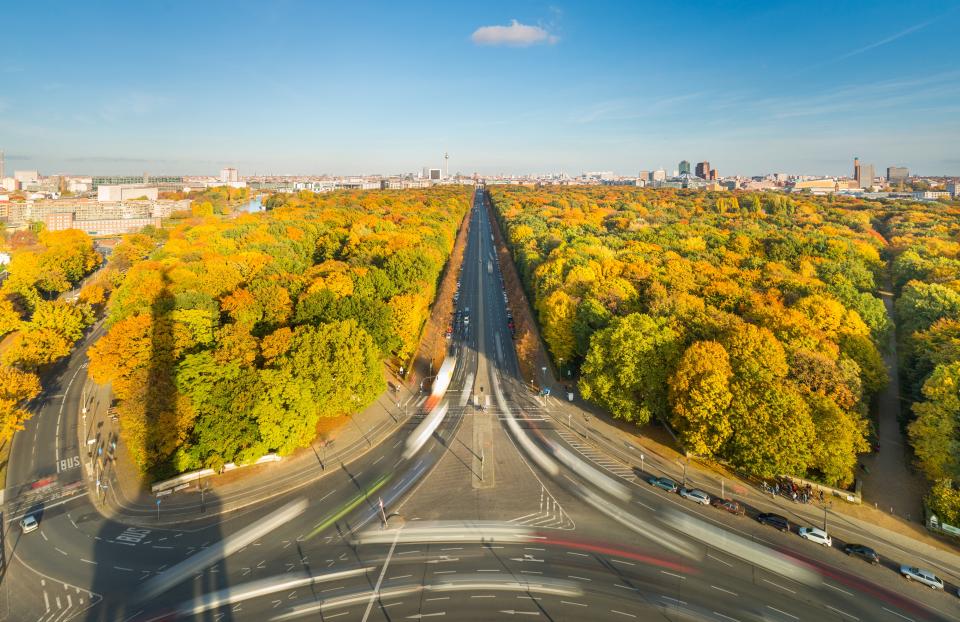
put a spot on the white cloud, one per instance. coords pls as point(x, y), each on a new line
point(514, 35)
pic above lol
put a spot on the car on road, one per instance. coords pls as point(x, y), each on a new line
point(774, 520)
point(696, 495)
point(814, 534)
point(29, 523)
point(912, 573)
point(863, 552)
point(729, 505)
point(664, 482)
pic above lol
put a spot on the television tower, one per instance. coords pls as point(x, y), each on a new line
point(446, 165)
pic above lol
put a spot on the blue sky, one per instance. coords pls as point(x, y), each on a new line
point(356, 87)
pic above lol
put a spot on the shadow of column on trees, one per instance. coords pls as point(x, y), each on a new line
point(130, 555)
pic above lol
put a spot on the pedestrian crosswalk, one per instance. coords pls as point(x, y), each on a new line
point(596, 456)
point(550, 515)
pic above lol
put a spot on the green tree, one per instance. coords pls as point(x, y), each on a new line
point(935, 433)
point(628, 365)
point(700, 397)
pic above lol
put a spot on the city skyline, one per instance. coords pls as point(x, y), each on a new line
point(509, 89)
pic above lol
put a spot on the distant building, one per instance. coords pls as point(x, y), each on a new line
point(126, 192)
point(931, 194)
point(26, 177)
point(856, 170)
point(10, 184)
point(684, 167)
point(897, 174)
point(164, 183)
point(866, 176)
point(435, 174)
point(703, 170)
point(659, 175)
point(714, 175)
point(643, 176)
point(954, 189)
point(228, 175)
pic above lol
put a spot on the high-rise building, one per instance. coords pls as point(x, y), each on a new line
point(684, 167)
point(866, 176)
point(228, 175)
point(954, 189)
point(897, 174)
point(856, 169)
point(643, 175)
point(713, 174)
point(659, 175)
point(703, 170)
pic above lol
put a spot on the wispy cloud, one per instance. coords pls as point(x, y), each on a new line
point(885, 40)
point(630, 108)
point(514, 35)
point(879, 43)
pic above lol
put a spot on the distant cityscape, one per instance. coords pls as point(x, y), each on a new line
point(109, 205)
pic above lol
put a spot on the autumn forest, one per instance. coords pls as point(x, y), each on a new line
point(752, 324)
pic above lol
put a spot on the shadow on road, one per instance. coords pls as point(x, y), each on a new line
point(130, 555)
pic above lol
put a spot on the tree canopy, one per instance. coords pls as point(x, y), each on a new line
point(748, 322)
point(230, 338)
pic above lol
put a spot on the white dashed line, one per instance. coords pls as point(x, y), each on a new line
point(843, 613)
point(783, 612)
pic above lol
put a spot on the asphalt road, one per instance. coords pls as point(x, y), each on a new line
point(612, 559)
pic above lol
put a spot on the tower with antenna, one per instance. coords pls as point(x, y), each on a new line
point(446, 165)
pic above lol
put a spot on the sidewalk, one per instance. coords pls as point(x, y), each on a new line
point(127, 498)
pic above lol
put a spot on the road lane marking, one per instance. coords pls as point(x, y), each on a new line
point(719, 560)
point(898, 614)
point(121, 568)
point(780, 586)
point(724, 590)
point(59, 550)
point(88, 561)
point(623, 613)
point(567, 602)
point(681, 577)
point(620, 561)
point(789, 615)
point(843, 613)
point(834, 587)
point(717, 613)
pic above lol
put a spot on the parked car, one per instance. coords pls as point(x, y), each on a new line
point(29, 523)
point(912, 573)
point(863, 552)
point(696, 495)
point(729, 505)
point(815, 534)
point(774, 520)
point(663, 482)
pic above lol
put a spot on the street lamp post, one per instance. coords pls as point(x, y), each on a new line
point(643, 471)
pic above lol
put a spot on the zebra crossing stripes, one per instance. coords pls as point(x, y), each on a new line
point(550, 516)
point(596, 456)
